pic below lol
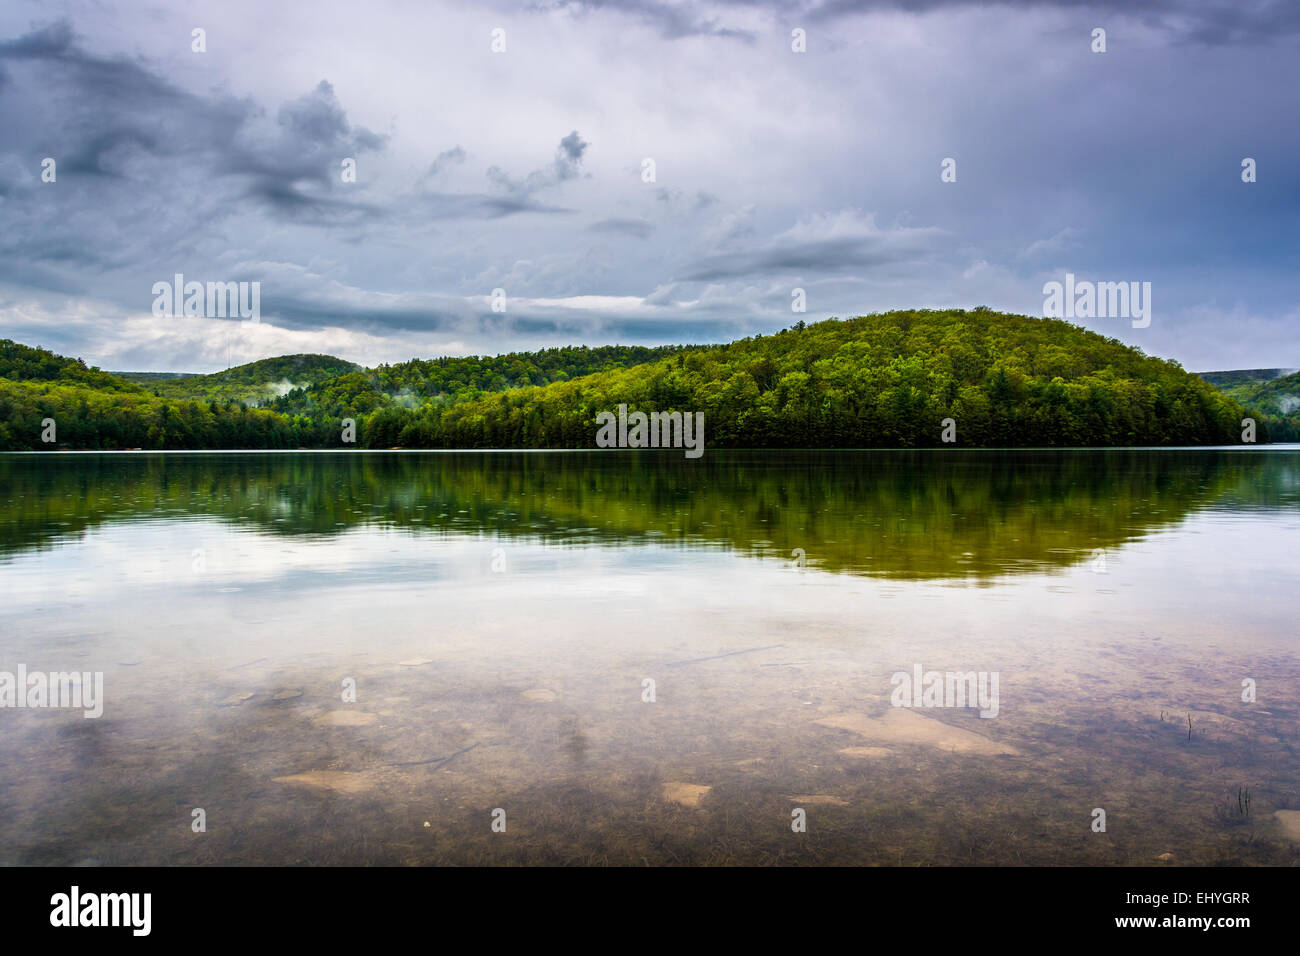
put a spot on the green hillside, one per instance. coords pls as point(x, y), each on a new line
point(883, 380)
point(24, 363)
point(94, 409)
point(1278, 399)
point(887, 380)
point(325, 385)
point(286, 402)
point(253, 384)
point(450, 380)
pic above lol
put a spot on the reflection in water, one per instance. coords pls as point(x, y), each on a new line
point(619, 650)
point(900, 514)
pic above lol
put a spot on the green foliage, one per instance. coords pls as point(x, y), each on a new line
point(253, 384)
point(96, 410)
point(89, 418)
point(346, 396)
point(884, 380)
point(1276, 401)
point(446, 381)
point(22, 363)
point(876, 381)
point(495, 373)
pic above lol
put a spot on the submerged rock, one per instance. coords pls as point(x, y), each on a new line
point(346, 718)
point(902, 726)
point(338, 781)
point(1290, 820)
point(685, 794)
point(869, 752)
point(822, 798)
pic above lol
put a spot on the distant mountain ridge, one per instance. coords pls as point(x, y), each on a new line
point(1244, 376)
point(152, 376)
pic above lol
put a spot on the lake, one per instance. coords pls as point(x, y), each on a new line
point(630, 657)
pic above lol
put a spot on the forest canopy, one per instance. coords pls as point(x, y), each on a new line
point(884, 380)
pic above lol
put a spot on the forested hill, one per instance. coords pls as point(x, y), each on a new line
point(886, 380)
point(449, 380)
point(496, 373)
point(22, 363)
point(1278, 398)
point(883, 380)
point(318, 385)
point(252, 384)
point(285, 402)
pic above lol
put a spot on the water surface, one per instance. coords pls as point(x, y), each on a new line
point(500, 614)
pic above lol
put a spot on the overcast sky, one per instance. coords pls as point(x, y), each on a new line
point(522, 170)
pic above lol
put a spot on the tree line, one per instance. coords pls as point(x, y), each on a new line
point(885, 380)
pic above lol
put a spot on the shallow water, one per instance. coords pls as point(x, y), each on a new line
point(498, 615)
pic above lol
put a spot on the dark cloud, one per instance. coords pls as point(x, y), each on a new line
point(497, 206)
point(1211, 22)
point(127, 140)
point(118, 113)
point(1207, 21)
point(566, 165)
point(317, 118)
point(672, 20)
point(471, 322)
point(828, 256)
point(102, 79)
point(292, 202)
point(636, 228)
point(48, 42)
point(679, 203)
point(107, 153)
point(1123, 166)
point(302, 313)
point(451, 157)
point(477, 206)
point(572, 147)
point(298, 175)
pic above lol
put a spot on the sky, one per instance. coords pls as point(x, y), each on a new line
point(640, 171)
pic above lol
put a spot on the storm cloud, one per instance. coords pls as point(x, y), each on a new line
point(640, 170)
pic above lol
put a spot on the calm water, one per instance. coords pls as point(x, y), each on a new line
point(500, 614)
